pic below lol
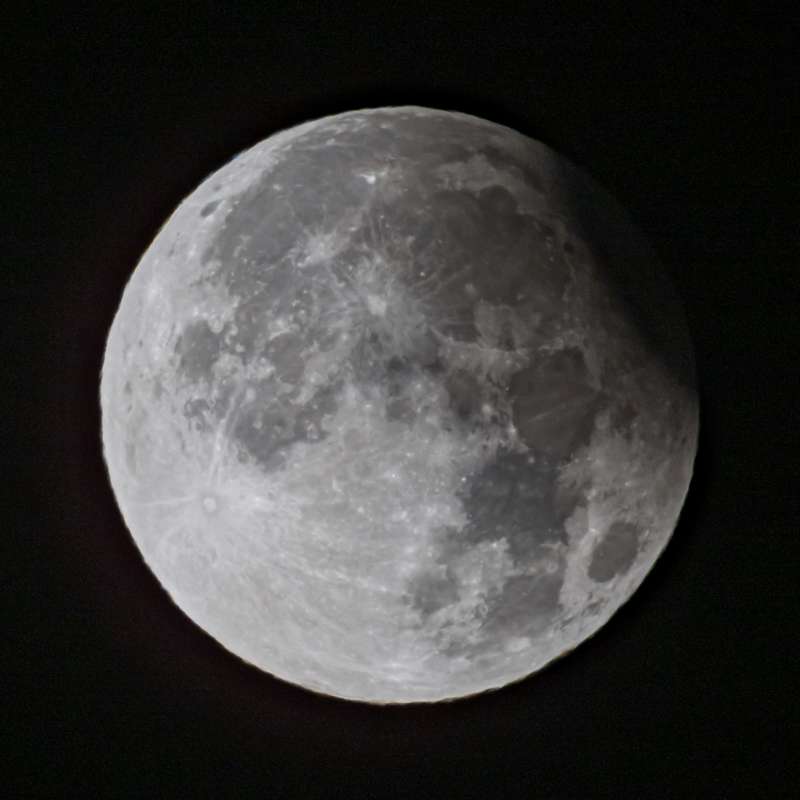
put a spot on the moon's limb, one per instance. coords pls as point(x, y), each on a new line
point(393, 412)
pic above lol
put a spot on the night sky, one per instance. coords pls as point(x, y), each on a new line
point(691, 119)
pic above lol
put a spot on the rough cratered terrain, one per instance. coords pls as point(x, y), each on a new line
point(398, 407)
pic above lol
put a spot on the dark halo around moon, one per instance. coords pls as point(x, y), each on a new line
point(398, 406)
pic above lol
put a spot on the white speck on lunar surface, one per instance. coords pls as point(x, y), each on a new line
point(210, 504)
point(377, 305)
point(398, 406)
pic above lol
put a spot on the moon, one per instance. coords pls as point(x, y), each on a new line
point(398, 406)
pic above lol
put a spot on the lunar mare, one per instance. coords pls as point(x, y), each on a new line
point(398, 407)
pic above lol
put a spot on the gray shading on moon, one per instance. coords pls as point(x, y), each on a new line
point(398, 406)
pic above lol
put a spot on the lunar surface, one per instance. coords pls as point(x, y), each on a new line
point(398, 406)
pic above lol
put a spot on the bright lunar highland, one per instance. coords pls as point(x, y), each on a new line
point(398, 406)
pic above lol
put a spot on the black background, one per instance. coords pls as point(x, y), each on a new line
point(689, 117)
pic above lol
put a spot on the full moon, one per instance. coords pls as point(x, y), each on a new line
point(398, 406)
